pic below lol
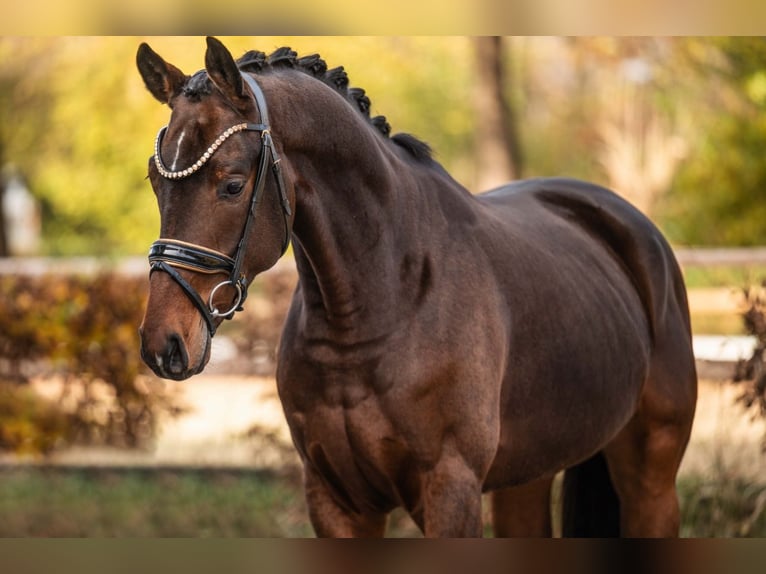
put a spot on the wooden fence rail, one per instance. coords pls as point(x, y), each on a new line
point(137, 265)
point(713, 257)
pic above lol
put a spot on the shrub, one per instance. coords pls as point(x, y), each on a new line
point(753, 369)
point(30, 424)
point(257, 330)
point(83, 329)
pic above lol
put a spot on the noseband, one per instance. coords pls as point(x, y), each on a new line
point(169, 254)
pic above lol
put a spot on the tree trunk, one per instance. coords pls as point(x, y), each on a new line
point(498, 154)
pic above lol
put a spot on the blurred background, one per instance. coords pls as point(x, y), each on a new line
point(92, 445)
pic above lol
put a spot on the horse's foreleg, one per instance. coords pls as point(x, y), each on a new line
point(523, 511)
point(330, 520)
point(451, 501)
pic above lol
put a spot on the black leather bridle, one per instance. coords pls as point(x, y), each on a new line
point(169, 254)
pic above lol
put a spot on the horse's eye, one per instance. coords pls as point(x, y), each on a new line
point(233, 188)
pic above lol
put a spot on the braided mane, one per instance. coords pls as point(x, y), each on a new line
point(254, 61)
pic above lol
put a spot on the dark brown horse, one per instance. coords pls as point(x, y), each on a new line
point(439, 344)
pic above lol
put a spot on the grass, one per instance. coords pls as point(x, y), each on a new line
point(722, 508)
point(54, 502)
point(88, 502)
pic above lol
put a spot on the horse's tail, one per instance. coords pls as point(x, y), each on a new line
point(589, 502)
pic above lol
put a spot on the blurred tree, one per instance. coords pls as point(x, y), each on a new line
point(719, 194)
point(617, 91)
point(82, 104)
point(65, 127)
point(497, 149)
point(77, 122)
point(640, 150)
point(3, 231)
point(83, 329)
point(92, 181)
point(677, 125)
point(25, 106)
point(556, 104)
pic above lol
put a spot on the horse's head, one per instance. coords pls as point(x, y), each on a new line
point(224, 206)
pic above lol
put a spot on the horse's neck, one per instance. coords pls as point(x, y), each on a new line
point(360, 210)
point(369, 241)
point(355, 222)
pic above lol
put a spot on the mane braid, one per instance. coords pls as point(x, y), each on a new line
point(362, 101)
point(338, 79)
point(197, 86)
point(252, 61)
point(283, 57)
point(313, 64)
point(256, 62)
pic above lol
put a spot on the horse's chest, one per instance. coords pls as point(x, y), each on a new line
point(340, 427)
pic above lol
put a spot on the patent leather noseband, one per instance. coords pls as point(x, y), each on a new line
point(169, 255)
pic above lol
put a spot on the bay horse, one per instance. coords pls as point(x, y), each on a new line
point(439, 344)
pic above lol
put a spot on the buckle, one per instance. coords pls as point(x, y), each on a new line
point(214, 312)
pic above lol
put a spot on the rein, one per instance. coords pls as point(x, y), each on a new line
point(169, 254)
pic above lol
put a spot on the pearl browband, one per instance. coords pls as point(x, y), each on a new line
point(165, 172)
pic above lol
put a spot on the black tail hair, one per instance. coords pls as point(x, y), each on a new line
point(591, 508)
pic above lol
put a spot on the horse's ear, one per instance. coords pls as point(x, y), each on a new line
point(223, 71)
point(163, 80)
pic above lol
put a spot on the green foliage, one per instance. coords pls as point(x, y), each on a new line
point(69, 124)
point(718, 196)
point(84, 329)
point(77, 121)
point(30, 424)
point(25, 100)
point(92, 182)
point(721, 507)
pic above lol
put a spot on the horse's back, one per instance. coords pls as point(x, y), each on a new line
point(596, 299)
point(616, 225)
point(563, 208)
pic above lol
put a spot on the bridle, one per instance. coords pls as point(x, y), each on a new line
point(169, 254)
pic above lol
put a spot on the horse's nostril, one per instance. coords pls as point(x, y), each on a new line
point(176, 359)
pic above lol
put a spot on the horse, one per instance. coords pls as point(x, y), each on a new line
point(439, 345)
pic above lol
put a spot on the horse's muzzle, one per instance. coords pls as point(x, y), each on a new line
point(169, 358)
